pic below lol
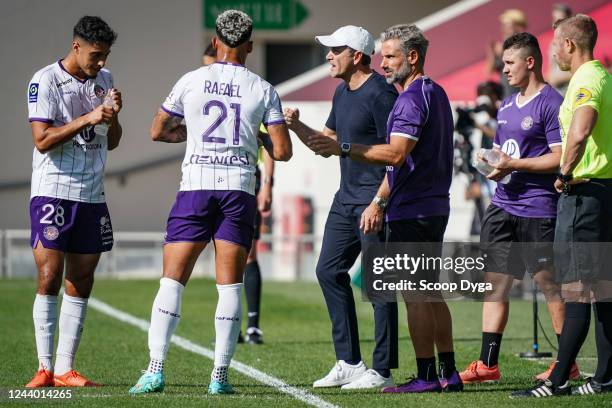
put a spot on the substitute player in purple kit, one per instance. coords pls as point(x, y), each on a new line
point(72, 131)
point(419, 159)
point(223, 105)
point(524, 209)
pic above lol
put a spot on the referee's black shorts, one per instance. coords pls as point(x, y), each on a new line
point(583, 234)
point(514, 245)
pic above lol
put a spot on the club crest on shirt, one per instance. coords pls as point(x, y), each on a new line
point(583, 95)
point(51, 232)
point(99, 91)
point(33, 93)
point(527, 123)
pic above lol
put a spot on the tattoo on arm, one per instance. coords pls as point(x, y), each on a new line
point(173, 130)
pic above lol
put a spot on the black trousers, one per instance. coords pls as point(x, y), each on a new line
point(342, 243)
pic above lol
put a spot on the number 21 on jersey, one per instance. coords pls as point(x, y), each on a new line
point(207, 136)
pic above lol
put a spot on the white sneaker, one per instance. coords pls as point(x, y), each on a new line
point(369, 379)
point(342, 373)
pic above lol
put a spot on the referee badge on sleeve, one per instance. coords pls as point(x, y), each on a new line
point(583, 95)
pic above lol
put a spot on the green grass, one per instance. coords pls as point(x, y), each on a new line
point(297, 350)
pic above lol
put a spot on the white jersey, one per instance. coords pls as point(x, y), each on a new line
point(223, 106)
point(73, 170)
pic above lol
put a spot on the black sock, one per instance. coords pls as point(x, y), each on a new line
point(385, 372)
point(252, 287)
point(489, 350)
point(603, 335)
point(575, 330)
point(426, 368)
point(352, 362)
point(446, 362)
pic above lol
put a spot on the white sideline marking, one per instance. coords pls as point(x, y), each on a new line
point(297, 393)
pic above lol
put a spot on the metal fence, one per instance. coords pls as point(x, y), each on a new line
point(139, 255)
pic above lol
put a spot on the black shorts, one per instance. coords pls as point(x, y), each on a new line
point(425, 230)
point(584, 232)
point(257, 224)
point(514, 245)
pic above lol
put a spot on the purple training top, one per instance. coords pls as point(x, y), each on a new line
point(525, 130)
point(420, 186)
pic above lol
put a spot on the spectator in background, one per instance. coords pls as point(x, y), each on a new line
point(512, 21)
point(209, 56)
point(557, 78)
point(489, 95)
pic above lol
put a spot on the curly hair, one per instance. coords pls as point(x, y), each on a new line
point(94, 30)
point(234, 27)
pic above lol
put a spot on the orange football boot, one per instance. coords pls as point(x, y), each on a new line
point(73, 379)
point(574, 372)
point(477, 372)
point(42, 378)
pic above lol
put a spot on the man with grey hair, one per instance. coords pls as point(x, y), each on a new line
point(223, 105)
point(419, 160)
point(359, 113)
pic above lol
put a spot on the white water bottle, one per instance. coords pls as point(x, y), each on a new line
point(102, 127)
point(485, 168)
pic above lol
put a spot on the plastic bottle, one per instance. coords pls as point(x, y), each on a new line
point(102, 128)
point(492, 157)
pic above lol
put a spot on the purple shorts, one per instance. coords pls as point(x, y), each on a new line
point(70, 226)
point(199, 215)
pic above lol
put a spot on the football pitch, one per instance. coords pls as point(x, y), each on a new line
point(296, 352)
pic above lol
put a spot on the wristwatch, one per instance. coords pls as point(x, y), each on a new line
point(345, 149)
point(380, 202)
point(565, 178)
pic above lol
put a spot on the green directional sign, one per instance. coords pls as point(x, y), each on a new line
point(266, 14)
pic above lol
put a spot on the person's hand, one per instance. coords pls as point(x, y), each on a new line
point(264, 198)
point(371, 219)
point(101, 114)
point(497, 174)
point(324, 145)
point(115, 96)
point(292, 116)
point(505, 162)
point(559, 183)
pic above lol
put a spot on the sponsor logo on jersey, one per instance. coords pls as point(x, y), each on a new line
point(66, 82)
point(51, 232)
point(231, 160)
point(527, 123)
point(88, 134)
point(583, 95)
point(33, 93)
point(87, 147)
point(511, 148)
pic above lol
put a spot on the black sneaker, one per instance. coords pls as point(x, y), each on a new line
point(592, 387)
point(544, 389)
point(253, 336)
